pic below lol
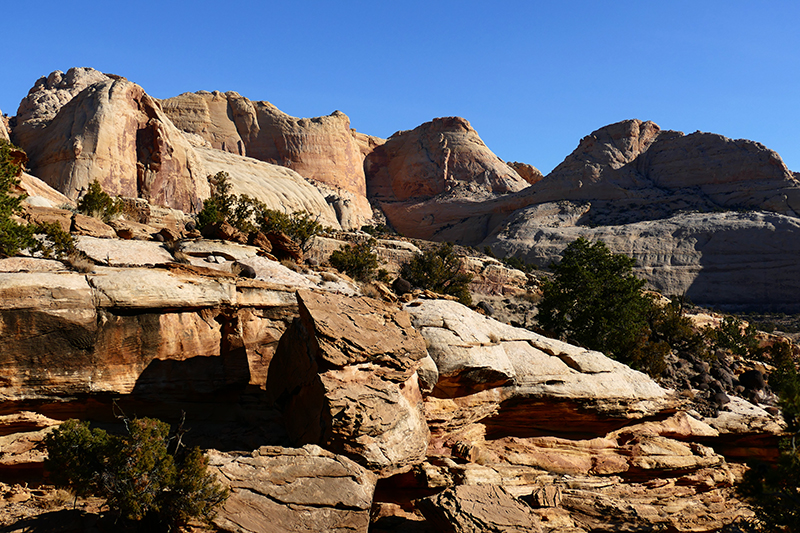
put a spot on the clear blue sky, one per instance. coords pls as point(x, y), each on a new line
point(532, 77)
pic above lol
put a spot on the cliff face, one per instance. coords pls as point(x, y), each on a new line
point(429, 401)
point(85, 126)
point(322, 149)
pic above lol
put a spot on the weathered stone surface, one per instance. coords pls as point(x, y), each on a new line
point(116, 252)
point(283, 489)
point(30, 264)
point(91, 227)
point(720, 259)
point(84, 126)
point(321, 148)
point(529, 173)
point(479, 508)
point(444, 155)
point(41, 194)
point(344, 376)
point(49, 215)
point(278, 187)
point(462, 341)
point(130, 230)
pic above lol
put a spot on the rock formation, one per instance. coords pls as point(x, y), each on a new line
point(4, 128)
point(732, 259)
point(323, 149)
point(84, 126)
point(511, 421)
point(284, 489)
point(344, 376)
point(416, 175)
point(529, 173)
point(648, 173)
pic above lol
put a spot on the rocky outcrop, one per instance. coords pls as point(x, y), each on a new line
point(442, 156)
point(529, 173)
point(432, 178)
point(85, 126)
point(732, 259)
point(473, 508)
point(323, 148)
point(345, 377)
point(633, 171)
point(284, 489)
point(4, 128)
point(278, 187)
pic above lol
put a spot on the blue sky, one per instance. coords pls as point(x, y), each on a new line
point(532, 77)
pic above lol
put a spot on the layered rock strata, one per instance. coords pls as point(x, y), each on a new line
point(417, 175)
point(323, 149)
point(285, 489)
point(84, 126)
point(345, 377)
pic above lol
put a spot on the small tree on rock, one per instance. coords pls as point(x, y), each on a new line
point(439, 270)
point(137, 473)
point(594, 299)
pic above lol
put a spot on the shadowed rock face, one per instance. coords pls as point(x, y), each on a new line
point(345, 377)
point(84, 126)
point(662, 171)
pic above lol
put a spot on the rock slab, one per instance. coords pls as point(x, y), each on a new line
point(293, 490)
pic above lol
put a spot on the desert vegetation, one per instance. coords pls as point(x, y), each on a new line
point(49, 239)
point(439, 269)
point(359, 260)
point(250, 215)
point(146, 475)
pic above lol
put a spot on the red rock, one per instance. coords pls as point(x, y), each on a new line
point(322, 148)
point(84, 126)
point(444, 155)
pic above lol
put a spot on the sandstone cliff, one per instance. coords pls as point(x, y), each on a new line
point(4, 128)
point(326, 389)
point(323, 149)
point(425, 178)
point(84, 126)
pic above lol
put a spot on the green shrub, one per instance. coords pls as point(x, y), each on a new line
point(55, 241)
point(595, 300)
point(14, 236)
point(97, 203)
point(358, 261)
point(733, 336)
point(136, 473)
point(773, 490)
point(249, 214)
point(439, 270)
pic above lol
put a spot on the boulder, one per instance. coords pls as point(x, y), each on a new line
point(91, 227)
point(130, 230)
point(284, 489)
point(49, 215)
point(345, 377)
point(84, 126)
point(478, 508)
